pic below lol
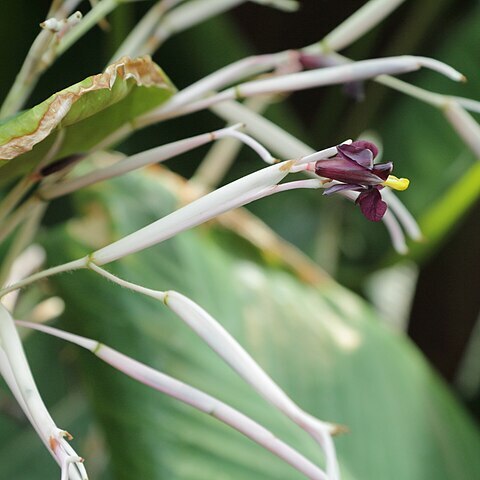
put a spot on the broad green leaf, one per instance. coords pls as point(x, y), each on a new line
point(85, 113)
point(321, 343)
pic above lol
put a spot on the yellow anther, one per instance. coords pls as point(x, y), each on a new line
point(396, 183)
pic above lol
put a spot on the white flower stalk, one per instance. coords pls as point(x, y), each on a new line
point(252, 187)
point(228, 75)
point(361, 22)
point(286, 5)
point(207, 328)
point(31, 68)
point(465, 125)
point(405, 218)
point(275, 138)
point(236, 194)
point(144, 28)
point(152, 156)
point(184, 17)
point(222, 154)
point(14, 366)
point(354, 71)
point(191, 396)
point(284, 144)
point(233, 195)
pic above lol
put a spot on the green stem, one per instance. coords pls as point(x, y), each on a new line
point(95, 15)
point(49, 272)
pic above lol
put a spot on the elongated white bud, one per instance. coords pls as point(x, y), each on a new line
point(233, 195)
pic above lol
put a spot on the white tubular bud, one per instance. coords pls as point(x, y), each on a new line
point(233, 195)
point(465, 125)
point(363, 20)
point(18, 372)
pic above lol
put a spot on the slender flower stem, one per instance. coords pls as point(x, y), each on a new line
point(191, 396)
point(149, 157)
point(432, 98)
point(361, 22)
point(285, 145)
point(184, 17)
point(236, 194)
point(404, 216)
point(286, 5)
point(231, 196)
point(95, 15)
point(32, 66)
point(465, 126)
point(66, 267)
point(222, 154)
point(228, 75)
point(32, 401)
point(231, 352)
point(304, 80)
point(7, 374)
point(144, 28)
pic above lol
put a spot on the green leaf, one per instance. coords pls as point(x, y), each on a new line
point(85, 113)
point(321, 343)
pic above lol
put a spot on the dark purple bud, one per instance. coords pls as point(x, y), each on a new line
point(361, 152)
point(348, 171)
point(60, 164)
point(371, 204)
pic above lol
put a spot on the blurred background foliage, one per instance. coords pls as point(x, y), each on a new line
point(404, 414)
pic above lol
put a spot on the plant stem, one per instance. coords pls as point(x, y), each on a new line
point(358, 24)
point(183, 17)
point(149, 157)
point(205, 326)
point(144, 28)
point(190, 396)
point(32, 66)
point(361, 70)
point(66, 267)
point(95, 15)
point(20, 373)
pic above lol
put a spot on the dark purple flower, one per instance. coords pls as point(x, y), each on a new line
point(354, 167)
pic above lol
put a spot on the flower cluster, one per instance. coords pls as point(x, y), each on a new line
point(354, 167)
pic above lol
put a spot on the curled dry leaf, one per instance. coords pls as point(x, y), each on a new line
point(21, 133)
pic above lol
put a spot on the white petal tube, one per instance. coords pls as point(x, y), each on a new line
point(191, 396)
point(230, 196)
point(363, 20)
point(51, 435)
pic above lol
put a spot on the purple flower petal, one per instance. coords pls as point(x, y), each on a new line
point(360, 152)
point(343, 186)
point(347, 171)
point(383, 170)
point(372, 205)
